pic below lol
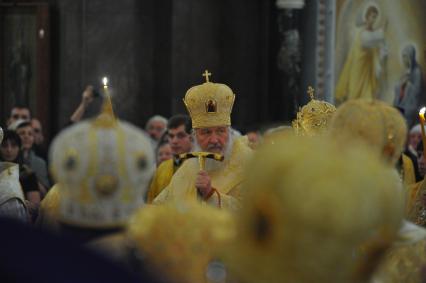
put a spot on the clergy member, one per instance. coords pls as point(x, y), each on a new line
point(12, 202)
point(314, 118)
point(305, 215)
point(218, 183)
point(180, 140)
point(102, 167)
point(384, 129)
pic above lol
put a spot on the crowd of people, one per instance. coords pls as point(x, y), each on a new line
point(338, 196)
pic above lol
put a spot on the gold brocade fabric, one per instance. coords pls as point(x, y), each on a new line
point(406, 259)
point(209, 105)
point(307, 207)
point(409, 176)
point(226, 180)
point(179, 240)
point(373, 122)
point(417, 204)
point(161, 179)
point(313, 119)
point(411, 200)
point(48, 216)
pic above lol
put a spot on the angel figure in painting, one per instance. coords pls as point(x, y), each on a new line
point(363, 67)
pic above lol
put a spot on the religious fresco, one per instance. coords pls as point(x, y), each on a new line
point(19, 53)
point(380, 52)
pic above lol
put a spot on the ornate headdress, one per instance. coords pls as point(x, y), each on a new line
point(209, 104)
point(313, 118)
point(305, 213)
point(373, 122)
point(103, 167)
point(180, 240)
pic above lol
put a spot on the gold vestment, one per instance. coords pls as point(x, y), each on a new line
point(162, 177)
point(226, 180)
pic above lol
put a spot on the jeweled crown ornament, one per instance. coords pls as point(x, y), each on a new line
point(313, 118)
point(209, 104)
point(103, 167)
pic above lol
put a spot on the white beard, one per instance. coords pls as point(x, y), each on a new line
point(214, 165)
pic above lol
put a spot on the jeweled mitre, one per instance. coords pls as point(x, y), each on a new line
point(313, 118)
point(209, 104)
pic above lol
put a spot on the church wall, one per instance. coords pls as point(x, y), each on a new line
point(231, 40)
point(153, 51)
point(106, 38)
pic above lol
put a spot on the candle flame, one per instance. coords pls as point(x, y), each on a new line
point(105, 82)
point(422, 111)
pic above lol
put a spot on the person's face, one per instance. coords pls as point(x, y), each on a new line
point(212, 139)
point(37, 130)
point(371, 19)
point(156, 129)
point(9, 151)
point(27, 137)
point(164, 153)
point(414, 139)
point(19, 113)
point(179, 140)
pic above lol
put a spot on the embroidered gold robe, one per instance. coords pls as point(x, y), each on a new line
point(161, 179)
point(226, 180)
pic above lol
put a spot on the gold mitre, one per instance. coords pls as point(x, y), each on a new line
point(374, 122)
point(103, 167)
point(313, 118)
point(304, 212)
point(209, 104)
point(180, 240)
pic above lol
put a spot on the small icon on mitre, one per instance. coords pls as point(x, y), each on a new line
point(211, 106)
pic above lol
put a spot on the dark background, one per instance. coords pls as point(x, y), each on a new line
point(153, 51)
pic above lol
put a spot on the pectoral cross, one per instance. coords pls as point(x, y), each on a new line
point(206, 74)
point(311, 91)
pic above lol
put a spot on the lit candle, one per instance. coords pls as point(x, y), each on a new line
point(107, 105)
point(105, 82)
point(422, 123)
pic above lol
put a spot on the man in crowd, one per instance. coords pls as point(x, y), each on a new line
point(218, 182)
point(19, 112)
point(37, 164)
point(39, 146)
point(180, 140)
point(156, 126)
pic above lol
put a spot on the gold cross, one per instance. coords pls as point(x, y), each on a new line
point(206, 74)
point(311, 91)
